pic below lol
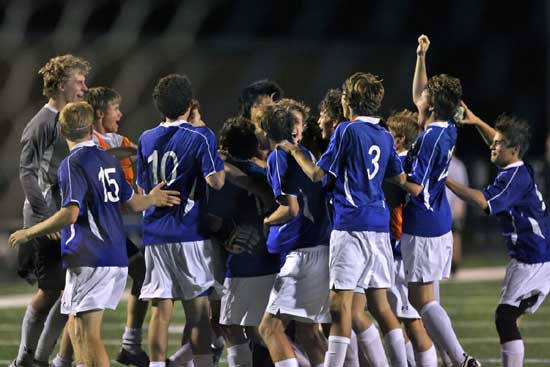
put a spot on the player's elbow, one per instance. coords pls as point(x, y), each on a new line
point(318, 175)
point(216, 180)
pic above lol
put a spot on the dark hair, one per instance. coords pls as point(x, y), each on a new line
point(332, 105)
point(172, 95)
point(278, 123)
point(444, 95)
point(238, 137)
point(516, 131)
point(100, 97)
point(250, 94)
point(405, 123)
point(364, 93)
point(312, 137)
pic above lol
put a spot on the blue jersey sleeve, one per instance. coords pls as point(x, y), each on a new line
point(141, 165)
point(331, 160)
point(278, 174)
point(72, 183)
point(395, 165)
point(126, 191)
point(421, 167)
point(208, 155)
point(506, 190)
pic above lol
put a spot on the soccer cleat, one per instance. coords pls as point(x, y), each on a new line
point(139, 359)
point(470, 362)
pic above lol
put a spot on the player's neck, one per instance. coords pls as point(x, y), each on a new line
point(98, 127)
point(56, 104)
point(71, 144)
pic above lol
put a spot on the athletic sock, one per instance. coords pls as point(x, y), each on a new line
point(439, 327)
point(59, 361)
point(131, 339)
point(291, 362)
point(427, 358)
point(370, 345)
point(183, 356)
point(157, 364)
point(203, 360)
point(410, 354)
point(336, 353)
point(395, 341)
point(239, 356)
point(31, 328)
point(512, 353)
point(352, 353)
point(53, 327)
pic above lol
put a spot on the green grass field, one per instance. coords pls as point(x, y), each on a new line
point(470, 305)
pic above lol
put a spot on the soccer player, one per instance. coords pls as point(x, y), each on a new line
point(106, 105)
point(427, 216)
point(178, 258)
point(93, 248)
point(519, 206)
point(298, 231)
point(42, 150)
point(404, 128)
point(250, 271)
point(251, 102)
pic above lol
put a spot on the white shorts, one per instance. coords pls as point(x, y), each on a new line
point(523, 281)
point(245, 299)
point(398, 294)
point(360, 259)
point(181, 270)
point(89, 289)
point(427, 259)
point(301, 287)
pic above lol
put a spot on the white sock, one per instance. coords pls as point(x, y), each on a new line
point(427, 358)
point(31, 328)
point(83, 365)
point(512, 353)
point(182, 357)
point(352, 354)
point(53, 327)
point(131, 339)
point(291, 362)
point(336, 353)
point(410, 354)
point(239, 356)
point(370, 345)
point(395, 341)
point(301, 357)
point(203, 360)
point(157, 364)
point(439, 327)
point(59, 361)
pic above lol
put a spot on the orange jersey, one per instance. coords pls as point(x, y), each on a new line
point(117, 141)
point(396, 222)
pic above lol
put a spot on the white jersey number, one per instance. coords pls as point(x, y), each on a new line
point(108, 182)
point(154, 160)
point(376, 150)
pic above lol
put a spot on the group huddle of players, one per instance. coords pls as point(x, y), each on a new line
point(278, 234)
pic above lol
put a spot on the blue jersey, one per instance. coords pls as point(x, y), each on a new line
point(427, 164)
point(360, 155)
point(310, 227)
point(94, 180)
point(243, 208)
point(181, 155)
point(519, 206)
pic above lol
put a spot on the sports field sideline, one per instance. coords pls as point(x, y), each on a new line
point(470, 300)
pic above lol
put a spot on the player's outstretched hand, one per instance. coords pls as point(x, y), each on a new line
point(164, 197)
point(18, 237)
point(469, 117)
point(286, 146)
point(423, 45)
point(242, 239)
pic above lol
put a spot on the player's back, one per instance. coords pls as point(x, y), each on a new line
point(181, 155)
point(360, 155)
point(94, 179)
point(427, 164)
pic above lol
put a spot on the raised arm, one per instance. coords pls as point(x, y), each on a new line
point(420, 79)
point(484, 129)
point(471, 196)
point(314, 172)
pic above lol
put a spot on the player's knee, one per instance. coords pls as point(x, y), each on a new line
point(269, 327)
point(338, 308)
point(506, 323)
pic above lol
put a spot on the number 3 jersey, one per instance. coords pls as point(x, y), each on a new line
point(427, 164)
point(181, 155)
point(360, 155)
point(94, 180)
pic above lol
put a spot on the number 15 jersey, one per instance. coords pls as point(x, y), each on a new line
point(181, 155)
point(360, 155)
